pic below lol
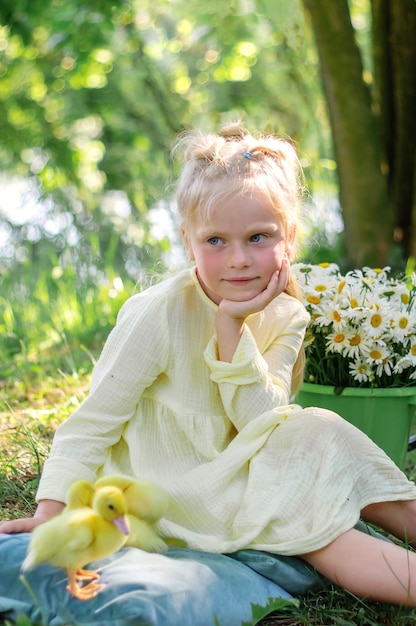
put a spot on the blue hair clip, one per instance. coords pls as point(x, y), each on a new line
point(248, 155)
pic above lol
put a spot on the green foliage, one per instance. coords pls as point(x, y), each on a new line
point(337, 607)
point(274, 604)
point(91, 97)
point(22, 620)
point(54, 321)
point(40, 393)
point(30, 411)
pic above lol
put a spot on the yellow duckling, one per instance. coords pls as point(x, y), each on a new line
point(81, 534)
point(146, 504)
point(80, 494)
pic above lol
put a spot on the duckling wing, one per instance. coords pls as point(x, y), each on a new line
point(145, 499)
point(59, 541)
point(41, 546)
point(80, 532)
point(80, 494)
point(142, 535)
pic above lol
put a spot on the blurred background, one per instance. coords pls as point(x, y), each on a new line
point(92, 96)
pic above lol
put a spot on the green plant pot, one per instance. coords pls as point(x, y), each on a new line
point(385, 415)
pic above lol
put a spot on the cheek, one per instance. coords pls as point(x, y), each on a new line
point(207, 260)
point(279, 255)
point(273, 258)
point(208, 263)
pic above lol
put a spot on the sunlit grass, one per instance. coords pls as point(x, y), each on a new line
point(48, 345)
point(58, 323)
point(31, 410)
point(29, 417)
point(336, 607)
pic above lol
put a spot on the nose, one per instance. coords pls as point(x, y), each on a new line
point(239, 257)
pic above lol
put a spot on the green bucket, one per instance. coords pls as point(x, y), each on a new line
point(385, 415)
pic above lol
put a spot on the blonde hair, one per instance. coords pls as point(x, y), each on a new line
point(234, 161)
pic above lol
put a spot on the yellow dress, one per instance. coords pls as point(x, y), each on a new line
point(246, 468)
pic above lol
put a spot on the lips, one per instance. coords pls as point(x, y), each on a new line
point(239, 281)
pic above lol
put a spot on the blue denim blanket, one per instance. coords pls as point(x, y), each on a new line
point(180, 588)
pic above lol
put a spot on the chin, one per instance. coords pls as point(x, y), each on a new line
point(243, 297)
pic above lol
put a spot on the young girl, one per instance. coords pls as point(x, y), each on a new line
point(194, 385)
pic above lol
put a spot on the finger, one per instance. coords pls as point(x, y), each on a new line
point(24, 525)
point(284, 274)
point(277, 282)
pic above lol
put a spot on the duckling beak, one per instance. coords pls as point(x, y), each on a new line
point(121, 524)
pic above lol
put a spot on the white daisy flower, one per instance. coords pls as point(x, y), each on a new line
point(376, 320)
point(377, 273)
point(330, 314)
point(408, 360)
point(336, 342)
point(377, 354)
point(384, 368)
point(361, 371)
point(358, 344)
point(402, 325)
point(364, 320)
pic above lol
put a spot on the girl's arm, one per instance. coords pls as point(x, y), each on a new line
point(258, 376)
point(133, 356)
point(231, 315)
point(46, 509)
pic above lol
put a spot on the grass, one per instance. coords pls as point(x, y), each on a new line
point(30, 410)
point(48, 344)
point(28, 420)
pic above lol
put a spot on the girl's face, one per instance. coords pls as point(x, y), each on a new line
point(237, 250)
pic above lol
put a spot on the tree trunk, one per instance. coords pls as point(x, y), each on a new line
point(357, 136)
point(403, 63)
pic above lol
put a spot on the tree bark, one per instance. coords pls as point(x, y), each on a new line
point(403, 63)
point(357, 136)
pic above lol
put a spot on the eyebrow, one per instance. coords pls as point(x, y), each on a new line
point(256, 228)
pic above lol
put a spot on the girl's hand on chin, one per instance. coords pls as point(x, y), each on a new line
point(277, 284)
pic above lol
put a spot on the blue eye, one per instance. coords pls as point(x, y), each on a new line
point(214, 241)
point(256, 238)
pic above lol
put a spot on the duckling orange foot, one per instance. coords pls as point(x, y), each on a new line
point(87, 574)
point(84, 593)
point(88, 591)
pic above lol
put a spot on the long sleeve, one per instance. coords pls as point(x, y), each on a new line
point(259, 376)
point(160, 411)
point(133, 356)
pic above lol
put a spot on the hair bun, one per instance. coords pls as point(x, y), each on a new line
point(233, 130)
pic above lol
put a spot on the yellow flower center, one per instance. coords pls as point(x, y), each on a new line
point(413, 350)
point(339, 338)
point(353, 303)
point(376, 320)
point(355, 341)
point(336, 316)
point(377, 270)
point(403, 322)
point(324, 265)
point(375, 354)
point(362, 369)
point(313, 299)
point(341, 286)
point(405, 298)
point(320, 288)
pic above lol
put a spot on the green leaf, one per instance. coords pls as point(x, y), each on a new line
point(274, 604)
